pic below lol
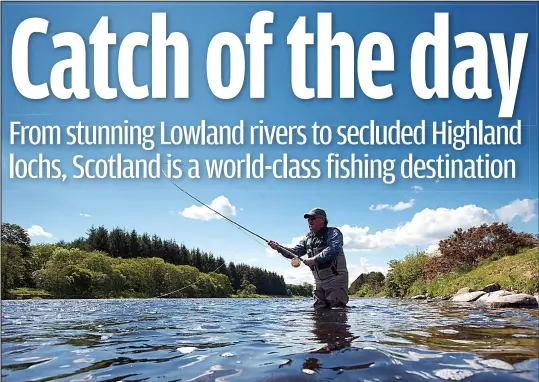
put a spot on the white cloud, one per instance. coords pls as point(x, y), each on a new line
point(400, 206)
point(432, 249)
point(220, 204)
point(525, 209)
point(36, 230)
point(291, 275)
point(417, 188)
point(426, 227)
point(84, 215)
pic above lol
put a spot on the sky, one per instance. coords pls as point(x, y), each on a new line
point(379, 221)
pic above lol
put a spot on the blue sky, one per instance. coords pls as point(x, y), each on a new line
point(271, 207)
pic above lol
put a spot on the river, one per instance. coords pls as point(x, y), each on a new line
point(265, 340)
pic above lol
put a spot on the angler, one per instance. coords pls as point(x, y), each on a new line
point(323, 246)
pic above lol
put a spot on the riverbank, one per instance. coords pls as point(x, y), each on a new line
point(40, 294)
point(407, 278)
point(518, 273)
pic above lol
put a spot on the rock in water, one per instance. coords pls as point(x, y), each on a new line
point(512, 300)
point(467, 297)
point(493, 295)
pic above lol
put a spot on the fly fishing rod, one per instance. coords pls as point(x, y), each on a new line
point(296, 257)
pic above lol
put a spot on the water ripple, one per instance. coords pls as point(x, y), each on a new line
point(265, 340)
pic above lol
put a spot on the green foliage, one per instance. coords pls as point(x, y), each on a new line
point(16, 235)
point(367, 284)
point(77, 273)
point(158, 266)
point(516, 272)
point(404, 273)
point(12, 266)
point(247, 289)
point(304, 290)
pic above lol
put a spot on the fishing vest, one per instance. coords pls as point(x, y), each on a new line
point(316, 243)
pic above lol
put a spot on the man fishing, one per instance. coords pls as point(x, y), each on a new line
point(323, 246)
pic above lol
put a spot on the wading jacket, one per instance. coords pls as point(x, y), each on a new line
point(327, 243)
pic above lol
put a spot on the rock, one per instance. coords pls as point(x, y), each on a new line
point(493, 295)
point(419, 297)
point(464, 290)
point(498, 298)
point(491, 288)
point(467, 297)
point(511, 300)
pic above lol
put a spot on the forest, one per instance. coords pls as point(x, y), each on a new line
point(112, 263)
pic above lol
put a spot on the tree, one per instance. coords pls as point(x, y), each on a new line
point(12, 266)
point(16, 235)
point(247, 288)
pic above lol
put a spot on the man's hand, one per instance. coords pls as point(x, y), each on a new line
point(273, 244)
point(309, 261)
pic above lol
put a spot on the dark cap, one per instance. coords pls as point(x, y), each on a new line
point(315, 212)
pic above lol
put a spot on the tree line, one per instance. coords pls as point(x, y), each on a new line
point(121, 262)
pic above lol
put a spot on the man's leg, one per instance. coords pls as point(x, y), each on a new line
point(337, 291)
point(319, 296)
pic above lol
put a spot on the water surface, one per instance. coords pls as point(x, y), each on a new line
point(265, 340)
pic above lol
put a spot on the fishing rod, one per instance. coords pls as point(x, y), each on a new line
point(230, 220)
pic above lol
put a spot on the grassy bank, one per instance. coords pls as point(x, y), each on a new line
point(519, 273)
point(407, 278)
point(28, 293)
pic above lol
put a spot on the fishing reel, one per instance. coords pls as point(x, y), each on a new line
point(296, 262)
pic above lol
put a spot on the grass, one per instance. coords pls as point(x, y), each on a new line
point(28, 293)
point(519, 273)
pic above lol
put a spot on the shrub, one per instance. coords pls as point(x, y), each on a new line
point(404, 273)
point(465, 249)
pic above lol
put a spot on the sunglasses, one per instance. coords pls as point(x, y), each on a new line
point(312, 218)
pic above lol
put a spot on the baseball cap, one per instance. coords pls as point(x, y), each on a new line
point(315, 212)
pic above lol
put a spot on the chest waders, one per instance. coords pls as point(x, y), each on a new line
point(331, 277)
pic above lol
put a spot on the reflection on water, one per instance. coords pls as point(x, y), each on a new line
point(265, 340)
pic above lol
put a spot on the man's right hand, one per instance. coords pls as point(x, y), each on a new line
point(273, 244)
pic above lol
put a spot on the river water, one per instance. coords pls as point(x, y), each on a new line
point(265, 340)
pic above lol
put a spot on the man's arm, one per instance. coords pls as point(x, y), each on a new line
point(299, 250)
point(335, 243)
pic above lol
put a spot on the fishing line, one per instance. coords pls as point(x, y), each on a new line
point(185, 287)
point(239, 226)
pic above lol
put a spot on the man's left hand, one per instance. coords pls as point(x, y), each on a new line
point(309, 262)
